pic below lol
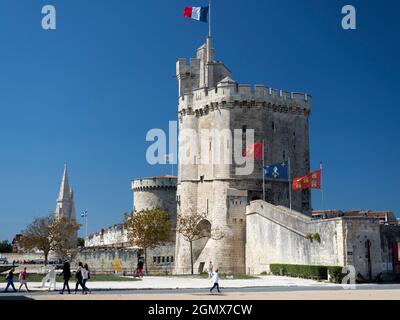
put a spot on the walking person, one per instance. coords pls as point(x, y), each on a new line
point(215, 281)
point(85, 278)
point(210, 270)
point(139, 268)
point(23, 277)
point(66, 273)
point(78, 276)
point(10, 280)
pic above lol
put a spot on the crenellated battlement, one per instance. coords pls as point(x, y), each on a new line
point(154, 183)
point(229, 94)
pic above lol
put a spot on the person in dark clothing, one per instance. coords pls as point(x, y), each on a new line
point(79, 278)
point(66, 273)
point(139, 269)
point(10, 280)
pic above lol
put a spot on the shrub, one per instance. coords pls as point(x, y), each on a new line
point(300, 271)
point(309, 236)
point(336, 275)
point(317, 237)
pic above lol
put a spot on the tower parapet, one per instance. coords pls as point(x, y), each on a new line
point(230, 94)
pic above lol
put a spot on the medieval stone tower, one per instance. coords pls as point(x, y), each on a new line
point(65, 207)
point(65, 203)
point(210, 99)
point(150, 193)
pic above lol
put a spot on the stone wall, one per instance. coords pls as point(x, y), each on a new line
point(278, 235)
point(102, 260)
point(112, 236)
point(390, 238)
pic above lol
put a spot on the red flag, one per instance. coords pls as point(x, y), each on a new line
point(254, 150)
point(310, 181)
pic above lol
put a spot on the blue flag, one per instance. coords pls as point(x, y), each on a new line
point(278, 171)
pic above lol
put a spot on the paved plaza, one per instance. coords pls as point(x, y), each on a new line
point(173, 283)
point(187, 288)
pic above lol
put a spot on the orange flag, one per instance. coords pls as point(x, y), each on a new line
point(310, 181)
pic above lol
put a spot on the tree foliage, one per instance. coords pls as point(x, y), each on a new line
point(50, 234)
point(5, 247)
point(81, 242)
point(148, 229)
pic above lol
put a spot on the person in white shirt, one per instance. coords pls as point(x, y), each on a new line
point(85, 278)
point(215, 281)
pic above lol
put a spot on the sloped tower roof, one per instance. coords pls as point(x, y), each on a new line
point(65, 203)
point(65, 189)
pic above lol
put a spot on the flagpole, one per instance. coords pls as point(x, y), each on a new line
point(86, 223)
point(172, 163)
point(209, 18)
point(263, 166)
point(322, 187)
point(290, 185)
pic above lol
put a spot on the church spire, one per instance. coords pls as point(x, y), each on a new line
point(65, 202)
point(65, 189)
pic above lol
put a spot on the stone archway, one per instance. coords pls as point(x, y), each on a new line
point(205, 227)
point(198, 246)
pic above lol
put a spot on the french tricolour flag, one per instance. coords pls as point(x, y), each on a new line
point(197, 13)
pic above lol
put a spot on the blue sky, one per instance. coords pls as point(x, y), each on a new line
point(88, 92)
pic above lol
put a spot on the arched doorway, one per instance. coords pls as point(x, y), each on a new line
point(204, 228)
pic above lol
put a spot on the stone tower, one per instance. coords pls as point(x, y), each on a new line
point(155, 192)
point(65, 207)
point(210, 99)
point(65, 203)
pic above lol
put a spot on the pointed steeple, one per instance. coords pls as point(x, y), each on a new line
point(65, 202)
point(65, 189)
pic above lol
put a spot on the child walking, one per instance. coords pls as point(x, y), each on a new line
point(23, 277)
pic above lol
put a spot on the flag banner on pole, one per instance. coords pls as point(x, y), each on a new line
point(254, 150)
point(310, 181)
point(196, 13)
point(278, 171)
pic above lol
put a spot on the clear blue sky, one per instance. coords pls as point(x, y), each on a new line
point(88, 93)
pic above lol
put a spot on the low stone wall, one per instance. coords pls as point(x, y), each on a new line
point(278, 235)
point(160, 261)
point(25, 256)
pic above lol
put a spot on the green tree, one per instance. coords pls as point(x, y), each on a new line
point(148, 229)
point(81, 242)
point(189, 226)
point(50, 234)
point(5, 247)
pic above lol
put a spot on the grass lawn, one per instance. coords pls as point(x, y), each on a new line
point(93, 278)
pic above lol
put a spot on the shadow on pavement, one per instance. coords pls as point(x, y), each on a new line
point(14, 298)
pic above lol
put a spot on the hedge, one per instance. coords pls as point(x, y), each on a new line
point(308, 272)
point(336, 274)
